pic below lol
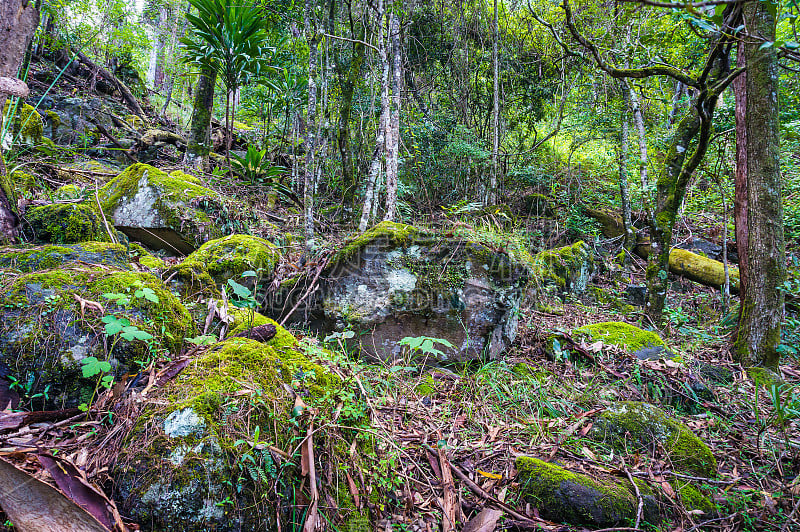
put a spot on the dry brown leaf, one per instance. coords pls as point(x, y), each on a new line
point(34, 506)
point(486, 521)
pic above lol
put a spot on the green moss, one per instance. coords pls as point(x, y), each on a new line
point(624, 335)
point(67, 223)
point(23, 181)
point(393, 233)
point(561, 495)
point(181, 205)
point(28, 259)
point(145, 258)
point(187, 178)
point(238, 362)
point(29, 125)
point(764, 377)
point(192, 279)
point(640, 424)
point(691, 497)
point(135, 122)
point(69, 192)
point(568, 268)
point(232, 255)
point(244, 319)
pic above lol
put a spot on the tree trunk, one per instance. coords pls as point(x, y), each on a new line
point(348, 87)
point(629, 240)
point(309, 173)
point(638, 121)
point(18, 21)
point(198, 144)
point(393, 131)
point(371, 192)
point(491, 193)
point(758, 139)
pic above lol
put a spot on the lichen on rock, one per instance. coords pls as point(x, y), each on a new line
point(568, 269)
point(30, 259)
point(191, 443)
point(631, 426)
point(159, 210)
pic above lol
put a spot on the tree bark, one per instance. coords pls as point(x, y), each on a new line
point(309, 173)
point(393, 130)
point(198, 145)
point(638, 121)
point(380, 137)
point(629, 240)
point(759, 207)
point(491, 193)
point(18, 21)
point(348, 88)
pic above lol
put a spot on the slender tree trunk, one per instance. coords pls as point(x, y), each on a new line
point(758, 140)
point(309, 173)
point(680, 90)
point(393, 132)
point(638, 122)
point(371, 192)
point(629, 239)
point(198, 144)
point(491, 193)
point(348, 87)
point(160, 46)
point(18, 21)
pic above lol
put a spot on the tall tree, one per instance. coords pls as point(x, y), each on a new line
point(688, 145)
point(393, 125)
point(758, 208)
point(198, 145)
point(309, 172)
point(491, 195)
point(371, 193)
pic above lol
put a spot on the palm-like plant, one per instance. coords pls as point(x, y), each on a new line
point(230, 38)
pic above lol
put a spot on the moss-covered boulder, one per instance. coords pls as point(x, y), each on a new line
point(564, 270)
point(51, 321)
point(28, 126)
point(30, 259)
point(161, 211)
point(561, 495)
point(231, 256)
point(66, 223)
point(624, 335)
point(396, 280)
point(197, 459)
point(642, 428)
point(535, 204)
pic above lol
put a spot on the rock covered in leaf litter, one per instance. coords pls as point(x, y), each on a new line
point(635, 427)
point(566, 496)
point(50, 321)
point(160, 210)
point(397, 281)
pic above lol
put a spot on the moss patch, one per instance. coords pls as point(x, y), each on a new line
point(229, 257)
point(635, 427)
point(67, 223)
point(561, 495)
point(621, 334)
point(691, 497)
point(29, 259)
point(244, 319)
point(568, 268)
point(389, 234)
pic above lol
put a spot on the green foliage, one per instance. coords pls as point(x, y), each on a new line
point(256, 167)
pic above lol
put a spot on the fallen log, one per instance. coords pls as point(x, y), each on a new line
point(682, 262)
point(127, 95)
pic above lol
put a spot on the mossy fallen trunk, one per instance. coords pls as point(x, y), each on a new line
point(682, 262)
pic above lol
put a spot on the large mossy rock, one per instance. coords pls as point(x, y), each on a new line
point(229, 257)
point(67, 223)
point(30, 259)
point(50, 321)
point(566, 270)
point(161, 211)
point(397, 281)
point(637, 427)
point(182, 460)
point(561, 495)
